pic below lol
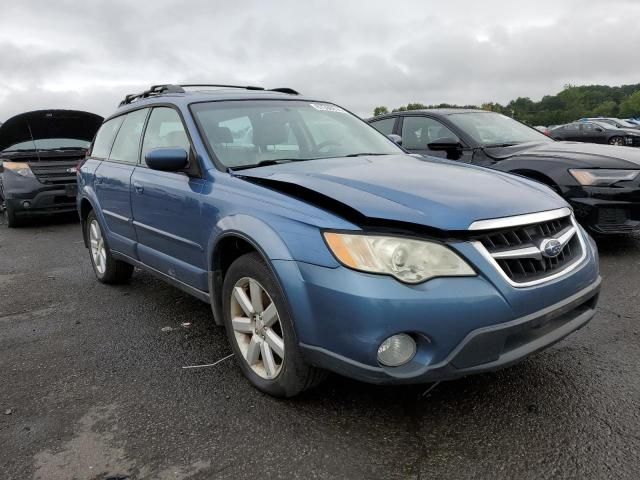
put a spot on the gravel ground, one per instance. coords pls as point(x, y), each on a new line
point(92, 387)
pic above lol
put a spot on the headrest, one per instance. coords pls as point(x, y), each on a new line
point(221, 135)
point(270, 130)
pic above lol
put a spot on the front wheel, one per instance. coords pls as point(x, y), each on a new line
point(260, 330)
point(616, 141)
point(107, 269)
point(10, 216)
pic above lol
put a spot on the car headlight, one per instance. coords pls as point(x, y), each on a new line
point(408, 260)
point(602, 177)
point(21, 169)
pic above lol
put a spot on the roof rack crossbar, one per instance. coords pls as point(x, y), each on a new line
point(152, 92)
point(287, 90)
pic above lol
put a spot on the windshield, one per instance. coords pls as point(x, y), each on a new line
point(49, 144)
point(624, 123)
point(605, 125)
point(246, 133)
point(494, 129)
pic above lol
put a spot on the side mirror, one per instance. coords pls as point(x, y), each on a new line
point(598, 129)
point(397, 139)
point(167, 159)
point(447, 144)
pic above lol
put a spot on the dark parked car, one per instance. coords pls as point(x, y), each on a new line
point(596, 132)
point(320, 244)
point(602, 183)
point(616, 122)
point(39, 152)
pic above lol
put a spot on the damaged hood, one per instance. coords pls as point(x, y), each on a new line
point(403, 188)
point(47, 124)
point(590, 154)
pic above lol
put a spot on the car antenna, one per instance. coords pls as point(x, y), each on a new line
point(35, 147)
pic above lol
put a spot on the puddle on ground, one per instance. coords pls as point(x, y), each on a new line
point(94, 454)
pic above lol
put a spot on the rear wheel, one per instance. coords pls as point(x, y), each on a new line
point(106, 268)
point(616, 141)
point(261, 331)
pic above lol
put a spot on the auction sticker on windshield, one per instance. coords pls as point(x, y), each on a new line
point(323, 107)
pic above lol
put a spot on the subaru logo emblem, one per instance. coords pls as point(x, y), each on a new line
point(550, 247)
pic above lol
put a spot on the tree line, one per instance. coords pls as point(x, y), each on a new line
point(572, 103)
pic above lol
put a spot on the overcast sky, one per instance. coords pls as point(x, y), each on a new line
point(87, 54)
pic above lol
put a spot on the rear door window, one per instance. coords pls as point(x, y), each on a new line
point(384, 126)
point(126, 148)
point(104, 138)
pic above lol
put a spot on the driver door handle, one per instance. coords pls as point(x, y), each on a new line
point(138, 188)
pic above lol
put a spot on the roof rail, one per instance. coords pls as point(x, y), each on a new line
point(245, 87)
point(156, 90)
point(286, 90)
point(152, 92)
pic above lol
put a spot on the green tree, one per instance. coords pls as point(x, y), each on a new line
point(380, 111)
point(572, 103)
point(631, 106)
point(605, 109)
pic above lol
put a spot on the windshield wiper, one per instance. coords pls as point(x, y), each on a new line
point(364, 154)
point(266, 163)
point(498, 145)
point(61, 149)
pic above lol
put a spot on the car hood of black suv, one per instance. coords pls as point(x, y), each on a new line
point(48, 124)
point(589, 155)
point(434, 193)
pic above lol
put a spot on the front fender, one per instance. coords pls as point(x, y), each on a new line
point(279, 239)
point(88, 194)
point(276, 237)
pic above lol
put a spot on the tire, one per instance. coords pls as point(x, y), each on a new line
point(107, 269)
point(10, 217)
point(616, 141)
point(253, 333)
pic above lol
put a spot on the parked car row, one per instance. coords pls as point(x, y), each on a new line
point(602, 184)
point(597, 131)
point(323, 245)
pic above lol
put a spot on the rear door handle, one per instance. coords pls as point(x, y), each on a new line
point(138, 188)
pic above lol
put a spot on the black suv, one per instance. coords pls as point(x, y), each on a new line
point(601, 182)
point(39, 152)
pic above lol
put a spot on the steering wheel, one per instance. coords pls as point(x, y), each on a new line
point(326, 143)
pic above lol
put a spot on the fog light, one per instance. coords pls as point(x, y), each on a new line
point(396, 350)
point(26, 204)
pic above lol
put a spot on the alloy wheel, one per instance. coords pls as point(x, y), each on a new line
point(98, 250)
point(257, 328)
point(616, 141)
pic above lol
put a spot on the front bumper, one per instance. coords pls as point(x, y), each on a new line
point(26, 196)
point(461, 325)
point(607, 210)
point(483, 350)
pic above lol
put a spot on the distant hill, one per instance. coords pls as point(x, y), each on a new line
point(572, 103)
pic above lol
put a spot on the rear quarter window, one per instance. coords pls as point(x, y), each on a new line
point(105, 136)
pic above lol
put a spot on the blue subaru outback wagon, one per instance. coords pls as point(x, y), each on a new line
point(322, 246)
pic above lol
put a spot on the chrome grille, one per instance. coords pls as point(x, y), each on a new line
point(532, 253)
point(56, 172)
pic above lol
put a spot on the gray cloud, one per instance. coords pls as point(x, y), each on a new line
point(88, 55)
